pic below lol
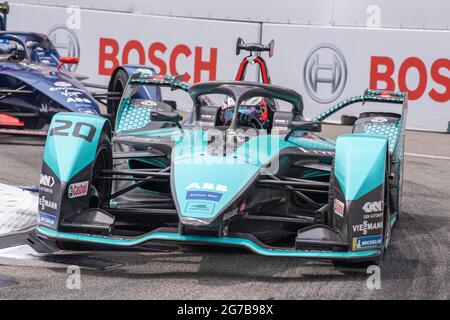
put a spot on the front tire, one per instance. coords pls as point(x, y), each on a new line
point(117, 84)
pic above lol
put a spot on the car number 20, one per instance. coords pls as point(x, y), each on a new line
point(65, 129)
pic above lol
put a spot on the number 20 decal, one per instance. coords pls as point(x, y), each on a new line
point(66, 125)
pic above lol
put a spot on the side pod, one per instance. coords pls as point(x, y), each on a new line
point(69, 155)
point(359, 190)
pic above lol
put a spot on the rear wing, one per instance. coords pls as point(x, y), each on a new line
point(173, 82)
point(381, 96)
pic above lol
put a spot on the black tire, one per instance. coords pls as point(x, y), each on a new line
point(99, 189)
point(348, 120)
point(103, 160)
point(117, 84)
point(331, 196)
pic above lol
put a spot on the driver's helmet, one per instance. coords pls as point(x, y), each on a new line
point(7, 46)
point(10, 51)
point(256, 108)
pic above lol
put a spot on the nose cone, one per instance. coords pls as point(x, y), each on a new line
point(205, 184)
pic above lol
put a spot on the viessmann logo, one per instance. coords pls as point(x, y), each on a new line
point(325, 73)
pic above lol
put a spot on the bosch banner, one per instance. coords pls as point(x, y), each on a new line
point(199, 49)
point(328, 64)
point(324, 64)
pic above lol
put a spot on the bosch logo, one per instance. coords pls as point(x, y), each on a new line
point(66, 42)
point(325, 73)
point(193, 62)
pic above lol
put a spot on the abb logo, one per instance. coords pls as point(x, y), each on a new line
point(382, 71)
point(111, 55)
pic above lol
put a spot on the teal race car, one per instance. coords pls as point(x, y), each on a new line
point(280, 190)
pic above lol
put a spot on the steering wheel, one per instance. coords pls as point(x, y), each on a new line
point(247, 120)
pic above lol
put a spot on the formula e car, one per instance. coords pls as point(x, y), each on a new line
point(280, 191)
point(35, 83)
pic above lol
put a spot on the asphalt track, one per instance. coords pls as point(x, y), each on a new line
point(415, 267)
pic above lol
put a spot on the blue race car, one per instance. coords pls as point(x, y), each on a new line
point(281, 190)
point(35, 84)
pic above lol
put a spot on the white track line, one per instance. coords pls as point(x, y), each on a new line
point(418, 155)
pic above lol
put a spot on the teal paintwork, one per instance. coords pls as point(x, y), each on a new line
point(239, 242)
point(360, 163)
point(68, 155)
point(205, 184)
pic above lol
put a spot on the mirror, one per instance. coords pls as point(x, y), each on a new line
point(69, 60)
point(173, 117)
point(310, 126)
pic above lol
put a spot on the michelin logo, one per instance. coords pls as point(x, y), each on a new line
point(47, 219)
point(367, 242)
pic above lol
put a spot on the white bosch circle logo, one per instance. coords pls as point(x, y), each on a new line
point(66, 42)
point(325, 73)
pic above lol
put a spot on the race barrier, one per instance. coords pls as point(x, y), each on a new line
point(329, 64)
point(406, 50)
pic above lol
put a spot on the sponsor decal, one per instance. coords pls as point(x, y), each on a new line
point(366, 226)
point(373, 216)
point(339, 208)
point(79, 189)
point(47, 204)
point(367, 242)
point(386, 74)
point(325, 73)
point(47, 219)
point(379, 120)
point(204, 195)
point(281, 121)
point(45, 108)
point(207, 116)
point(373, 207)
point(73, 95)
point(148, 103)
point(62, 84)
point(317, 151)
point(199, 207)
point(47, 181)
point(145, 72)
point(113, 53)
point(207, 186)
